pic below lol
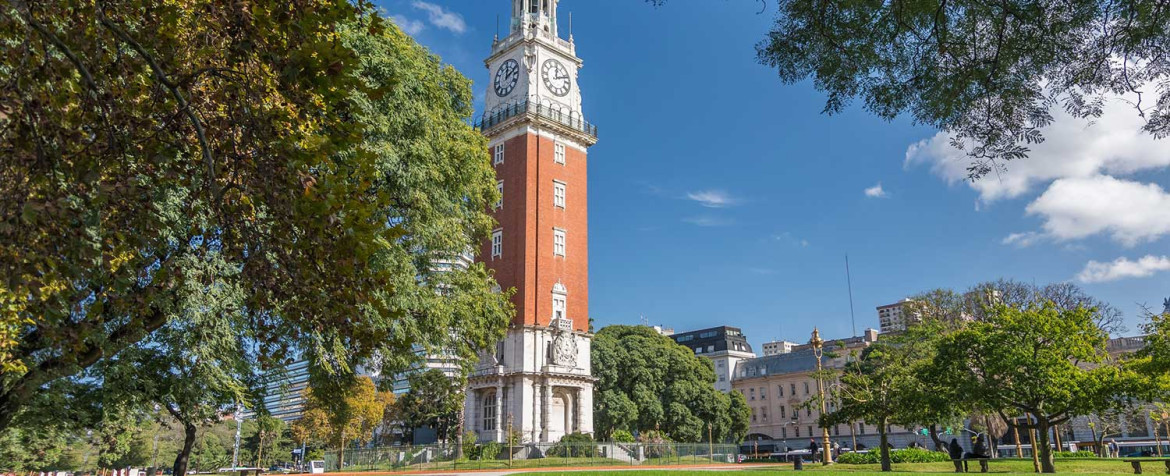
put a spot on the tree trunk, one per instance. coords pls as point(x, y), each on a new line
point(259, 447)
point(885, 449)
point(341, 452)
point(184, 456)
point(1056, 436)
point(939, 444)
point(1042, 427)
point(1016, 436)
point(1032, 441)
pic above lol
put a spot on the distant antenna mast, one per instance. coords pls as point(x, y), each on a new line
point(497, 28)
point(570, 26)
point(849, 281)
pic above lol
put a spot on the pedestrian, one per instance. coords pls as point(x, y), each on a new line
point(813, 448)
point(979, 451)
point(956, 453)
point(1114, 450)
point(836, 450)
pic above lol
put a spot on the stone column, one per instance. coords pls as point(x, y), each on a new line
point(576, 412)
point(499, 411)
point(545, 406)
point(537, 421)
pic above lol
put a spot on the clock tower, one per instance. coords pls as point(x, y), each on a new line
point(538, 379)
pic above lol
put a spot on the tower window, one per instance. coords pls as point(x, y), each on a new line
point(558, 307)
point(558, 194)
point(559, 153)
point(558, 242)
point(499, 156)
point(500, 190)
point(489, 411)
point(497, 243)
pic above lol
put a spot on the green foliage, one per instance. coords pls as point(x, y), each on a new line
point(1074, 454)
point(622, 436)
point(647, 381)
point(574, 445)
point(1048, 362)
point(434, 400)
point(905, 455)
point(313, 162)
point(487, 451)
point(469, 438)
point(989, 73)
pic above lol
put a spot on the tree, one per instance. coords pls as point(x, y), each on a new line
point(1038, 360)
point(648, 382)
point(987, 73)
point(878, 387)
point(985, 296)
point(338, 421)
point(434, 400)
point(320, 152)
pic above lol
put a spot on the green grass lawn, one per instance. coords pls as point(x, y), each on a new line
point(1006, 466)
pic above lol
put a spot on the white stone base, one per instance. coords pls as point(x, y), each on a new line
point(533, 384)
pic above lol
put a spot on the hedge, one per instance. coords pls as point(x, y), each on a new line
point(907, 455)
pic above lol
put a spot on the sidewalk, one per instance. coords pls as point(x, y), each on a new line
point(559, 469)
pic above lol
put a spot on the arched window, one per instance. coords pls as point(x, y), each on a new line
point(489, 411)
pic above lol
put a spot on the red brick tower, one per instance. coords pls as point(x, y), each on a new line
point(538, 141)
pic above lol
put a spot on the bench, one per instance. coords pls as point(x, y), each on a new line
point(963, 465)
point(1137, 463)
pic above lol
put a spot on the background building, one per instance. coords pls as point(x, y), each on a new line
point(724, 346)
point(777, 386)
point(895, 317)
point(538, 381)
point(777, 347)
point(284, 392)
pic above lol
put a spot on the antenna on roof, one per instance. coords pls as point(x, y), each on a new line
point(849, 281)
point(570, 26)
point(497, 27)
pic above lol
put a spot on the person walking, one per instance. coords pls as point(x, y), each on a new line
point(813, 448)
point(1114, 450)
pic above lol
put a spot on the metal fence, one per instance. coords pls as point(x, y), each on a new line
point(569, 119)
point(529, 455)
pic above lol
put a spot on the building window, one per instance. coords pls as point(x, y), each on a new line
point(797, 430)
point(753, 393)
point(722, 378)
point(558, 194)
point(497, 243)
point(559, 153)
point(710, 348)
point(861, 429)
point(780, 390)
point(764, 413)
point(810, 432)
point(558, 242)
point(783, 413)
point(792, 387)
point(753, 414)
point(784, 433)
point(500, 190)
point(489, 411)
point(807, 411)
point(499, 155)
point(806, 388)
point(763, 393)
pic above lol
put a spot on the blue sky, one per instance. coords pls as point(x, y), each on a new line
point(721, 196)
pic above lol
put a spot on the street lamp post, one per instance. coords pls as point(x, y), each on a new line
point(818, 351)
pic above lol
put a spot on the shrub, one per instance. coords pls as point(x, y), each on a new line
point(1077, 454)
point(490, 450)
point(622, 436)
point(907, 455)
point(469, 439)
point(918, 455)
point(858, 458)
point(573, 445)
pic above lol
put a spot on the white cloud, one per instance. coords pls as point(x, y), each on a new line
point(1023, 240)
point(876, 191)
point(1121, 268)
point(1130, 212)
point(712, 198)
point(708, 221)
point(1112, 144)
point(442, 18)
point(410, 27)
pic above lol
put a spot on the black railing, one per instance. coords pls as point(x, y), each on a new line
point(573, 121)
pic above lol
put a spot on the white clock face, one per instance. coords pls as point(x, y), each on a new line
point(507, 77)
point(556, 77)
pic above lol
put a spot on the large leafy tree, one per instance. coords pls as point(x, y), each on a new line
point(321, 153)
point(1038, 360)
point(353, 417)
point(648, 382)
point(434, 400)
